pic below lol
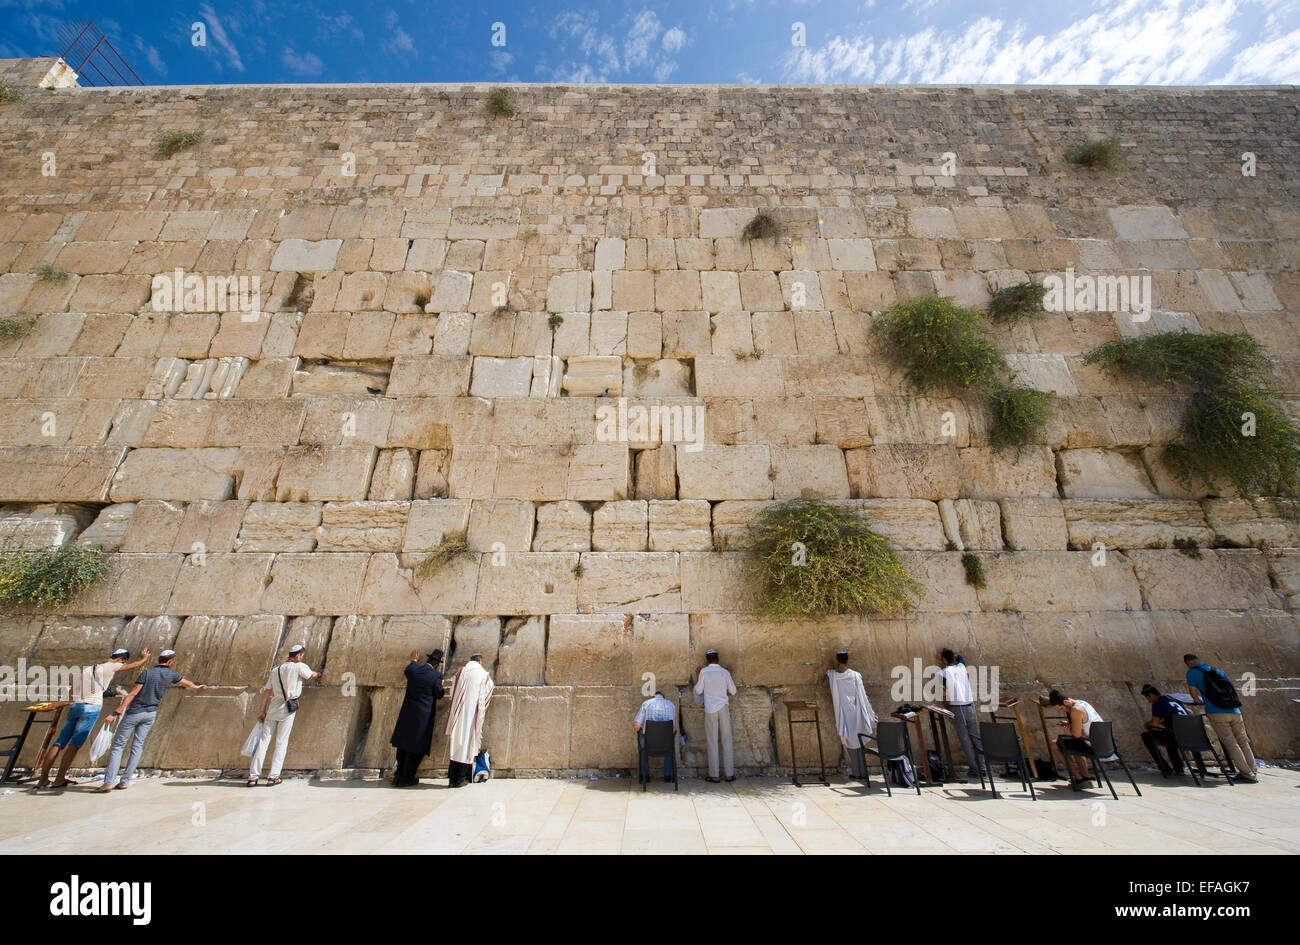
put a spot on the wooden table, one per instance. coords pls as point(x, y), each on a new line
point(938, 730)
point(32, 712)
point(803, 705)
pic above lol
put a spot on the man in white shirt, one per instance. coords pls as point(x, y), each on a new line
point(854, 716)
point(957, 692)
point(655, 709)
point(283, 685)
point(83, 713)
point(715, 684)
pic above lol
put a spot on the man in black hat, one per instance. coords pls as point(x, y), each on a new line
point(413, 733)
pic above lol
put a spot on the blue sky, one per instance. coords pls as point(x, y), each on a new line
point(1143, 42)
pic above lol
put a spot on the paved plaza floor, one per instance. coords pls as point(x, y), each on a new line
point(612, 815)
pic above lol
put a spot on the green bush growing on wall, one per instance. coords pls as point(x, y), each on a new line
point(1024, 299)
point(812, 558)
point(452, 547)
point(1019, 415)
point(16, 326)
point(1104, 154)
point(173, 142)
point(501, 104)
point(49, 577)
point(974, 568)
point(1232, 428)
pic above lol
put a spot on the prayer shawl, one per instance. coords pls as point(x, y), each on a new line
point(853, 712)
point(470, 693)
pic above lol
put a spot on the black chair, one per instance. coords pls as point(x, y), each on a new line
point(1193, 741)
point(658, 740)
point(10, 753)
point(1002, 747)
point(1101, 741)
point(891, 745)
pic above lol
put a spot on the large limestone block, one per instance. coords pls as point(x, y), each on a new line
point(732, 522)
point(215, 583)
point(279, 526)
point(1102, 474)
point(1034, 524)
point(472, 635)
point(154, 526)
point(845, 422)
point(620, 526)
point(451, 292)
point(529, 728)
point(667, 378)
point(624, 582)
point(133, 584)
point(376, 650)
point(907, 523)
point(176, 474)
point(562, 526)
point(362, 526)
point(593, 376)
point(109, 527)
point(1260, 523)
point(1119, 523)
point(73, 641)
point(229, 651)
point(393, 587)
point(306, 255)
point(590, 650)
point(1058, 581)
point(724, 472)
point(208, 526)
point(43, 528)
point(680, 525)
point(988, 474)
point(811, 472)
point(713, 582)
point(727, 376)
point(978, 524)
point(58, 473)
point(436, 376)
point(570, 292)
point(315, 583)
point(528, 583)
point(686, 334)
point(394, 476)
point(501, 377)
point(501, 525)
point(537, 474)
point(677, 290)
point(315, 474)
point(1226, 578)
point(919, 471)
point(1145, 223)
point(656, 473)
point(521, 658)
point(599, 472)
point(593, 741)
point(473, 471)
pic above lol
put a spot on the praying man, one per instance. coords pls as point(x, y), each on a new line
point(853, 713)
point(470, 693)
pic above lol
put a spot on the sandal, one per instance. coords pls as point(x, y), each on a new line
point(252, 782)
point(272, 782)
point(66, 782)
point(730, 779)
point(119, 787)
point(714, 780)
point(103, 790)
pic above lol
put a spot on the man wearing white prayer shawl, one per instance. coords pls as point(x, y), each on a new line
point(853, 713)
point(470, 693)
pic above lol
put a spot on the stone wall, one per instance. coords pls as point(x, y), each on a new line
point(270, 478)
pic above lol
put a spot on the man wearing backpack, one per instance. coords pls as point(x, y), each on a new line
point(1212, 688)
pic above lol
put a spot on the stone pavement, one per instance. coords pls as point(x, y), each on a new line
point(752, 815)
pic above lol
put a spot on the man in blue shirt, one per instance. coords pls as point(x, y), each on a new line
point(1160, 730)
point(657, 709)
point(1227, 723)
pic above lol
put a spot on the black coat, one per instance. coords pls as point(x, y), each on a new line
point(414, 729)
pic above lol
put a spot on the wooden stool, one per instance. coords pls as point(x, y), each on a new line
point(804, 706)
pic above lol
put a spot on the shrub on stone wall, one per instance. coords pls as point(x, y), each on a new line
point(16, 326)
point(812, 558)
point(761, 227)
point(47, 273)
point(1024, 299)
point(944, 348)
point(501, 104)
point(1104, 154)
point(51, 576)
point(974, 568)
point(8, 94)
point(451, 548)
point(173, 142)
point(1233, 427)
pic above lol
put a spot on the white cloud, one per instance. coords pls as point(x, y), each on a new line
point(219, 36)
point(746, 79)
point(1275, 62)
point(674, 40)
point(644, 52)
point(399, 42)
point(307, 63)
point(1122, 42)
point(500, 59)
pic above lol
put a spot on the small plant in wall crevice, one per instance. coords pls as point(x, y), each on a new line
point(1024, 299)
point(171, 143)
point(500, 104)
point(974, 568)
point(811, 557)
point(452, 548)
point(762, 227)
point(49, 577)
point(1103, 154)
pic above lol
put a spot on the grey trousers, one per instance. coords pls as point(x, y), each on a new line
point(966, 722)
point(134, 728)
point(717, 725)
point(857, 762)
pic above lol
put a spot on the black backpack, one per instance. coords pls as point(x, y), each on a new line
point(1217, 688)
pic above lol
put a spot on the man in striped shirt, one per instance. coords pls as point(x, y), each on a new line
point(657, 709)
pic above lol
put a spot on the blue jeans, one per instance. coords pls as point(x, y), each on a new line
point(135, 724)
point(80, 720)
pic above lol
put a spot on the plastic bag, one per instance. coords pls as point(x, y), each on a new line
point(103, 738)
point(250, 743)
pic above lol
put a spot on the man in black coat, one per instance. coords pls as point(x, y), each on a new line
point(413, 733)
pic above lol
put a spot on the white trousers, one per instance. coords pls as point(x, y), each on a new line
point(280, 730)
point(717, 725)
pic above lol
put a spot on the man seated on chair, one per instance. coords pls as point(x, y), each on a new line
point(1160, 730)
point(1079, 716)
point(657, 709)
